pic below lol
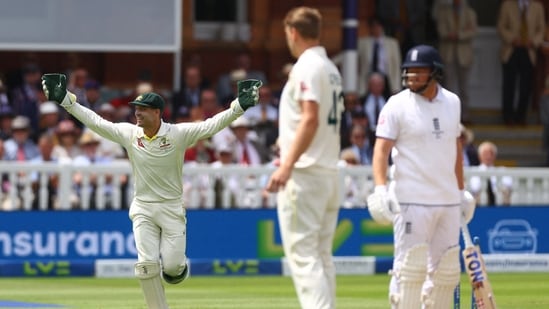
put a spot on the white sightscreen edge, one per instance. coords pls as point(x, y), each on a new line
point(84, 25)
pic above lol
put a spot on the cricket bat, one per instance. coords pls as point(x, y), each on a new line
point(476, 271)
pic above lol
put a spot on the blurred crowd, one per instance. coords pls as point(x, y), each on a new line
point(34, 129)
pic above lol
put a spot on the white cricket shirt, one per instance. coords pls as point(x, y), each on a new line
point(314, 78)
point(157, 162)
point(425, 134)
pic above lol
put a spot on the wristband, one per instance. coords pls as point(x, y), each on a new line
point(380, 189)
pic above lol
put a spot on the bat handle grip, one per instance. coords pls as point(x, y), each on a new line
point(466, 235)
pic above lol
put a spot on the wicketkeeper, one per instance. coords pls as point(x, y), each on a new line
point(155, 150)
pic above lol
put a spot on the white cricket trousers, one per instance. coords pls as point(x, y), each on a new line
point(307, 214)
point(160, 231)
point(436, 226)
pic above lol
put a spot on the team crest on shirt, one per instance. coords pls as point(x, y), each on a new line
point(436, 126)
point(381, 120)
point(303, 87)
point(140, 142)
point(164, 143)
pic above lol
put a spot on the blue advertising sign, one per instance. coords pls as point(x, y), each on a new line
point(511, 230)
point(251, 234)
point(238, 235)
point(66, 235)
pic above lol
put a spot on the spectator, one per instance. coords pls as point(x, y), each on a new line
point(208, 107)
point(374, 100)
point(457, 25)
point(49, 117)
point(44, 200)
point(183, 115)
point(360, 118)
point(26, 98)
point(264, 117)
point(234, 77)
point(282, 78)
point(20, 147)
point(352, 105)
point(247, 150)
point(377, 53)
point(121, 103)
point(405, 20)
point(470, 154)
point(108, 148)
point(361, 145)
point(89, 144)
point(3, 94)
point(244, 63)
point(521, 26)
point(200, 153)
point(6, 117)
point(498, 192)
point(67, 148)
point(93, 94)
point(225, 186)
point(189, 95)
point(5, 203)
point(77, 85)
point(355, 195)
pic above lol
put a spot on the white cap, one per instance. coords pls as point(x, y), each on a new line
point(238, 74)
point(143, 87)
point(48, 107)
point(106, 108)
point(224, 147)
point(241, 122)
point(20, 123)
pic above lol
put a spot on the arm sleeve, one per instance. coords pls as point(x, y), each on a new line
point(503, 24)
point(309, 84)
point(116, 132)
point(194, 131)
point(388, 124)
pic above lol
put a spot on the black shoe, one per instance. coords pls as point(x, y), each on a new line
point(176, 279)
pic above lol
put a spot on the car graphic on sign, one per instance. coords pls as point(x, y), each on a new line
point(512, 236)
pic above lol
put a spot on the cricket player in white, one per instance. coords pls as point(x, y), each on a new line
point(155, 150)
point(307, 178)
point(426, 198)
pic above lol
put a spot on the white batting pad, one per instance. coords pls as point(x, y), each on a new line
point(148, 274)
point(410, 278)
point(445, 279)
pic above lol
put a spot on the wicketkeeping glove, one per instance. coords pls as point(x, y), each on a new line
point(248, 92)
point(55, 89)
point(383, 205)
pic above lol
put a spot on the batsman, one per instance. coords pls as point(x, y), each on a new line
point(420, 128)
point(155, 150)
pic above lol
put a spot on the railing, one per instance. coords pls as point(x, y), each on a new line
point(52, 186)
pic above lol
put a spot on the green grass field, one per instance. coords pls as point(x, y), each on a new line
point(513, 291)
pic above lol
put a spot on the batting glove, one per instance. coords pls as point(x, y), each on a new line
point(55, 89)
point(468, 205)
point(383, 205)
point(248, 92)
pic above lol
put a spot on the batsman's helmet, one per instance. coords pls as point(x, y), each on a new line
point(424, 56)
